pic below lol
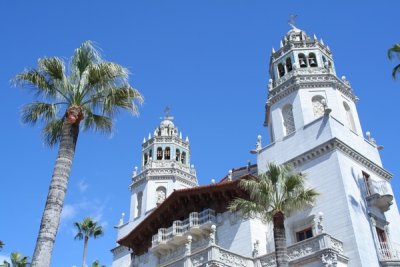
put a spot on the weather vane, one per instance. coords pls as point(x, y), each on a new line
point(292, 21)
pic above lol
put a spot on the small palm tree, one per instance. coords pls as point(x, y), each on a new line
point(394, 50)
point(1, 245)
point(275, 193)
point(86, 229)
point(89, 94)
point(96, 263)
point(17, 260)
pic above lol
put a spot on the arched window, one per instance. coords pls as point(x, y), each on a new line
point(324, 62)
point(161, 194)
point(177, 155)
point(289, 64)
point(318, 106)
point(145, 158)
point(139, 204)
point(159, 153)
point(183, 157)
point(349, 115)
point(150, 154)
point(288, 119)
point(281, 69)
point(167, 153)
point(302, 61)
point(312, 60)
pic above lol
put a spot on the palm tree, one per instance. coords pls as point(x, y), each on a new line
point(1, 245)
point(86, 229)
point(18, 260)
point(275, 193)
point(90, 93)
point(394, 50)
point(96, 263)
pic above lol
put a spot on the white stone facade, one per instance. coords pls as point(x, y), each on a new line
point(314, 125)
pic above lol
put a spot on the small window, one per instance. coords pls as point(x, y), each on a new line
point(304, 234)
point(159, 153)
point(312, 60)
point(288, 119)
point(177, 155)
point(145, 158)
point(302, 61)
point(289, 66)
point(167, 153)
point(366, 181)
point(350, 118)
point(183, 158)
point(281, 69)
point(139, 204)
point(150, 154)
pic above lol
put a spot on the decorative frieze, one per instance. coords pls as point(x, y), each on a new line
point(307, 78)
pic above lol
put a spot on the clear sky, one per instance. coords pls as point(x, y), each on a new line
point(207, 60)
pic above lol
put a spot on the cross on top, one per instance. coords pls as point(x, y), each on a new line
point(292, 21)
point(167, 116)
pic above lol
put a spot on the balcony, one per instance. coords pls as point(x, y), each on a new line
point(379, 195)
point(169, 238)
point(387, 255)
point(322, 247)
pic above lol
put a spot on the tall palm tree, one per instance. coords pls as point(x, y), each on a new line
point(271, 196)
point(86, 229)
point(394, 50)
point(90, 93)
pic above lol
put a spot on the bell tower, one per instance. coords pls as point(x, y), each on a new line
point(313, 124)
point(165, 167)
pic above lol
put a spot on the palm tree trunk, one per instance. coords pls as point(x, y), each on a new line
point(55, 197)
point(85, 242)
point(280, 240)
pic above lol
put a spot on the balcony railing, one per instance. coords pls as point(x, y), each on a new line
point(196, 220)
point(379, 195)
point(307, 248)
point(386, 253)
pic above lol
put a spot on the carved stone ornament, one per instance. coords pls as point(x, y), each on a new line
point(329, 259)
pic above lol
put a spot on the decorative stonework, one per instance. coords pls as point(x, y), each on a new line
point(301, 81)
point(329, 259)
point(231, 259)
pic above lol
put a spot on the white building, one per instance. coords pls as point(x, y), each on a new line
point(313, 122)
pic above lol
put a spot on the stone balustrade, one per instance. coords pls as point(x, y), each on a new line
point(196, 223)
point(319, 247)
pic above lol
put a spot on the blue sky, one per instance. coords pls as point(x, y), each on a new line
point(207, 60)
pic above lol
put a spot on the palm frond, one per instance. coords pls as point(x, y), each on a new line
point(394, 50)
point(52, 131)
point(37, 81)
point(97, 122)
point(395, 71)
point(53, 67)
point(32, 112)
point(84, 56)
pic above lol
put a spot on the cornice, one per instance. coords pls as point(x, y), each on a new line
point(336, 144)
point(303, 80)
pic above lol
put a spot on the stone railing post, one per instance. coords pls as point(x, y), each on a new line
point(188, 252)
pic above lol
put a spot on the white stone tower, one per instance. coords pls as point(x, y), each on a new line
point(313, 123)
point(165, 167)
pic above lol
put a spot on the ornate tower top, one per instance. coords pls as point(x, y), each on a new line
point(166, 155)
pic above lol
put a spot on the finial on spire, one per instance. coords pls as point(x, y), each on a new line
point(167, 116)
point(292, 21)
point(166, 111)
